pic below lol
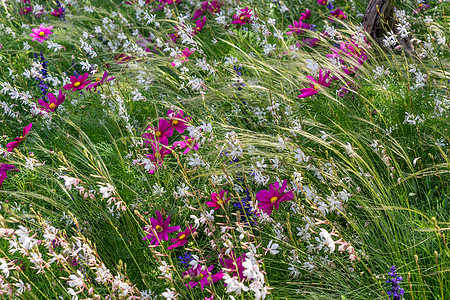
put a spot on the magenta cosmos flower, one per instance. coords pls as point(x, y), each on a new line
point(77, 83)
point(41, 34)
point(199, 24)
point(188, 144)
point(273, 197)
point(160, 229)
point(11, 146)
point(199, 12)
point(3, 169)
point(99, 81)
point(58, 12)
point(305, 15)
point(338, 13)
point(234, 265)
point(201, 275)
point(179, 122)
point(243, 18)
point(314, 89)
point(182, 238)
point(214, 7)
point(53, 103)
point(218, 200)
point(322, 2)
point(159, 134)
point(157, 158)
point(26, 10)
point(184, 56)
point(299, 27)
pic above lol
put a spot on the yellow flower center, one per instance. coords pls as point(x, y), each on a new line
point(158, 228)
point(273, 199)
point(220, 201)
point(175, 122)
point(157, 155)
point(215, 10)
point(25, 10)
point(52, 105)
point(421, 4)
point(189, 141)
point(158, 133)
point(97, 79)
point(200, 275)
point(241, 18)
point(316, 87)
point(41, 33)
point(198, 28)
point(182, 237)
point(77, 84)
point(21, 137)
point(341, 17)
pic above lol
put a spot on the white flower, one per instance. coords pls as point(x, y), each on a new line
point(300, 156)
point(327, 239)
point(169, 294)
point(272, 247)
point(76, 280)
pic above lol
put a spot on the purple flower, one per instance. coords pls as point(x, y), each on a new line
point(182, 238)
point(201, 275)
point(3, 169)
point(396, 292)
point(269, 199)
point(160, 229)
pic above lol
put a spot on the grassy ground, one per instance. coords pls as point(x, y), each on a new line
point(365, 159)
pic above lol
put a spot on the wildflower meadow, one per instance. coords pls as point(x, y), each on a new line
point(224, 149)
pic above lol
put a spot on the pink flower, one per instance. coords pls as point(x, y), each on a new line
point(41, 34)
point(11, 146)
point(77, 83)
point(305, 15)
point(218, 200)
point(199, 24)
point(159, 134)
point(3, 169)
point(199, 12)
point(53, 103)
point(338, 13)
point(299, 27)
point(25, 10)
point(184, 56)
point(243, 18)
point(322, 2)
point(182, 238)
point(188, 144)
point(201, 275)
point(99, 81)
point(314, 89)
point(160, 229)
point(269, 199)
point(179, 123)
